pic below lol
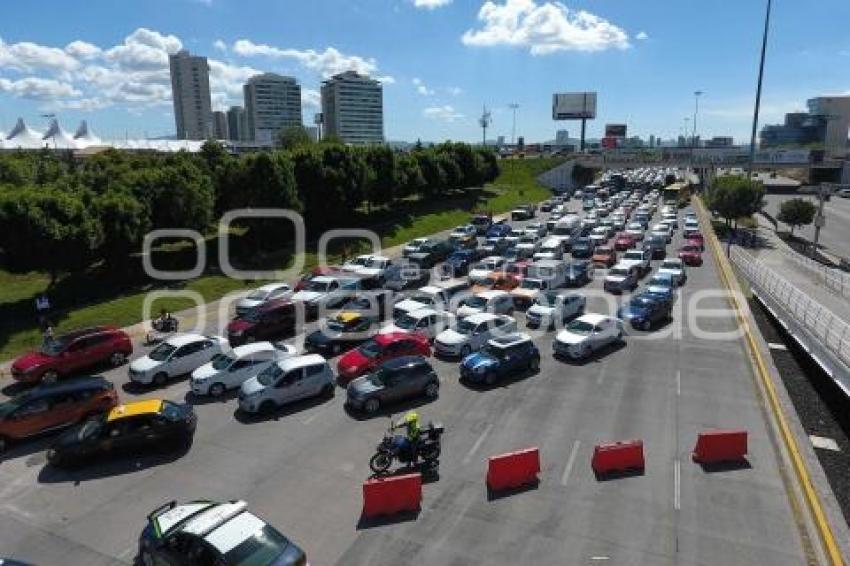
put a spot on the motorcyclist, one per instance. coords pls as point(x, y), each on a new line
point(410, 438)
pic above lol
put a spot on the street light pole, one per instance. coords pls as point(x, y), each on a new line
point(758, 92)
point(697, 94)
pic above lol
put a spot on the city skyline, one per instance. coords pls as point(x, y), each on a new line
point(644, 63)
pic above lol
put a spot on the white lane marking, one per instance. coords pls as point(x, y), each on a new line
point(600, 558)
point(776, 346)
point(677, 485)
point(477, 445)
point(602, 373)
point(678, 382)
point(310, 419)
point(824, 443)
point(570, 461)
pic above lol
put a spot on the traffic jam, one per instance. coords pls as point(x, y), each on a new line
point(571, 279)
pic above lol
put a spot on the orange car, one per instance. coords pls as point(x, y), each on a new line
point(53, 406)
point(496, 281)
point(604, 255)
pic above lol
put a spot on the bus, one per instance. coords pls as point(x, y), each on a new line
point(677, 194)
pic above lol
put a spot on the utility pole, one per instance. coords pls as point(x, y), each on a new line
point(485, 120)
point(758, 93)
point(513, 106)
point(697, 94)
point(820, 219)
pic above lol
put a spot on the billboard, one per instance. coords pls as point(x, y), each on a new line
point(615, 130)
point(574, 105)
point(609, 142)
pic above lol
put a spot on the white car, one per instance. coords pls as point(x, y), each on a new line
point(528, 244)
point(553, 308)
point(176, 355)
point(587, 334)
point(262, 295)
point(413, 246)
point(843, 193)
point(286, 381)
point(425, 321)
point(635, 229)
point(536, 228)
point(485, 267)
point(472, 333)
point(499, 302)
point(376, 267)
point(465, 231)
point(357, 263)
point(229, 370)
point(675, 267)
point(551, 248)
point(599, 235)
point(663, 231)
point(513, 236)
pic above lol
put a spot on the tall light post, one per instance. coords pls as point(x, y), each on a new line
point(485, 120)
point(697, 94)
point(513, 106)
point(758, 92)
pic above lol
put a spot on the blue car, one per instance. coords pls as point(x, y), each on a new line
point(578, 273)
point(459, 261)
point(662, 286)
point(582, 248)
point(499, 358)
point(643, 311)
point(499, 230)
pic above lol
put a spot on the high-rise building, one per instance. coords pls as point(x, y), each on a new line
point(219, 125)
point(835, 111)
point(562, 137)
point(272, 104)
point(190, 91)
point(652, 140)
point(353, 108)
point(236, 124)
point(720, 141)
point(827, 122)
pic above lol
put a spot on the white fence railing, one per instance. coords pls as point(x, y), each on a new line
point(834, 279)
point(832, 332)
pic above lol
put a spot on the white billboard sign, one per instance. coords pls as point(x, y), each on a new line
point(574, 106)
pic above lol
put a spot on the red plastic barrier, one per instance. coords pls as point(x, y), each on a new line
point(513, 469)
point(618, 457)
point(720, 445)
point(390, 495)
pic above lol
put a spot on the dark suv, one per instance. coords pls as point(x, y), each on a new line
point(431, 253)
point(52, 406)
point(70, 353)
point(274, 319)
point(395, 381)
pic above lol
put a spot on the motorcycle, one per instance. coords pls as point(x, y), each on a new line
point(427, 448)
point(161, 329)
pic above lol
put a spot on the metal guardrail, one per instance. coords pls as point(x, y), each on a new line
point(832, 278)
point(832, 332)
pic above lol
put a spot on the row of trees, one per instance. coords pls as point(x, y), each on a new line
point(58, 214)
point(733, 197)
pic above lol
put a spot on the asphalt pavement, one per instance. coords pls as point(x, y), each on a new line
point(834, 236)
point(302, 468)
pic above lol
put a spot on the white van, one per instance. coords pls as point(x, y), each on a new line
point(287, 381)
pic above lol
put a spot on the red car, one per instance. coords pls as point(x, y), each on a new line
point(371, 354)
point(518, 269)
point(691, 254)
point(697, 240)
point(268, 321)
point(73, 352)
point(315, 272)
point(624, 242)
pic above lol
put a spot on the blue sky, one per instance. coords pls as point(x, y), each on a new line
point(441, 60)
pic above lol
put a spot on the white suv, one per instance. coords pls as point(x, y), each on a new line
point(473, 332)
point(176, 355)
point(229, 370)
point(287, 381)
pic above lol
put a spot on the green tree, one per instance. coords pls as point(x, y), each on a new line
point(411, 181)
point(797, 212)
point(293, 136)
point(732, 197)
point(434, 175)
point(124, 221)
point(383, 177)
point(177, 194)
point(451, 171)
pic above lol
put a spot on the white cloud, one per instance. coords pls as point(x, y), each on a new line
point(82, 104)
point(37, 88)
point(421, 88)
point(144, 49)
point(310, 98)
point(431, 4)
point(454, 90)
point(220, 45)
point(27, 57)
point(641, 35)
point(445, 113)
point(83, 50)
point(543, 28)
point(328, 62)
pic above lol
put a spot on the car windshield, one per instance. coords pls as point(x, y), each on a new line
point(89, 429)
point(376, 263)
point(465, 327)
point(640, 303)
point(423, 298)
point(268, 376)
point(475, 302)
point(317, 286)
point(252, 315)
point(482, 267)
point(370, 349)
point(378, 378)
point(494, 351)
point(633, 255)
point(162, 352)
point(604, 251)
point(579, 327)
point(531, 284)
point(53, 347)
point(222, 361)
point(337, 326)
point(361, 261)
point(487, 282)
point(660, 282)
point(258, 295)
point(261, 549)
point(670, 265)
point(360, 303)
point(619, 271)
point(406, 322)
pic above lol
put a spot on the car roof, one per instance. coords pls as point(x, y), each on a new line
point(482, 317)
point(274, 304)
point(134, 409)
point(390, 337)
point(187, 338)
point(509, 340)
point(74, 334)
point(593, 318)
point(671, 260)
point(490, 294)
point(419, 313)
point(68, 384)
point(404, 361)
point(348, 316)
point(272, 286)
point(253, 348)
point(288, 364)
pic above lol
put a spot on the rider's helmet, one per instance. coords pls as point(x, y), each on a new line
point(411, 418)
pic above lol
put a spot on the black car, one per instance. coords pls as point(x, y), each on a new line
point(644, 311)
point(126, 429)
point(578, 273)
point(395, 381)
point(656, 246)
point(431, 253)
point(340, 333)
point(458, 263)
point(582, 248)
point(406, 276)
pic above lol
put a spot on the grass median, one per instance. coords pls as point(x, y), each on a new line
point(98, 297)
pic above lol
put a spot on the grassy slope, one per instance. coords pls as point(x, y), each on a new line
point(516, 184)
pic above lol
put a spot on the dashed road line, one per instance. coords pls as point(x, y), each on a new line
point(777, 346)
point(477, 445)
point(570, 461)
point(677, 485)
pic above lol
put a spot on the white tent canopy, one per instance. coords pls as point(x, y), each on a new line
point(23, 137)
point(58, 138)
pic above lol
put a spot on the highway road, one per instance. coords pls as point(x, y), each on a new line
point(835, 236)
point(302, 468)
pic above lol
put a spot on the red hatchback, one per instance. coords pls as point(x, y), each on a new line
point(697, 240)
point(624, 241)
point(73, 352)
point(690, 254)
point(315, 272)
point(370, 355)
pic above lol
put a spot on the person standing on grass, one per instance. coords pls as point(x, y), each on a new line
point(49, 335)
point(42, 308)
